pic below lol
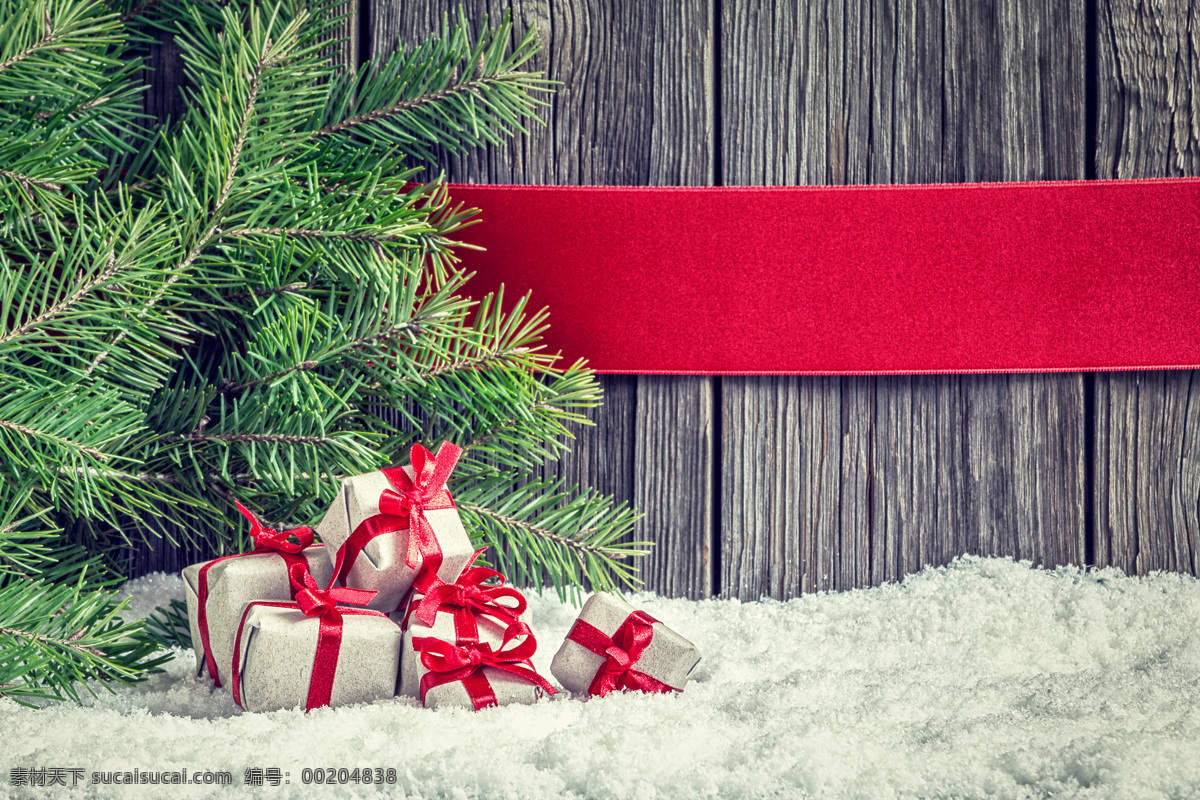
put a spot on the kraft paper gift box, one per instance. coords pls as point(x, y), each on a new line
point(314, 652)
point(494, 670)
point(614, 646)
point(384, 526)
point(228, 584)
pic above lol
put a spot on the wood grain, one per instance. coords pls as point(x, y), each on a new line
point(876, 477)
point(1146, 457)
point(635, 108)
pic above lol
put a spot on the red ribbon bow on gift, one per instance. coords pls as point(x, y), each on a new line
point(313, 601)
point(317, 602)
point(468, 596)
point(405, 505)
point(621, 651)
point(266, 540)
point(448, 662)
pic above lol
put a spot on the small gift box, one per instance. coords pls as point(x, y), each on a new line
point(471, 605)
point(492, 671)
point(219, 590)
point(384, 526)
point(314, 652)
point(614, 646)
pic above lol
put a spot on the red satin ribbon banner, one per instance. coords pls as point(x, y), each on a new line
point(620, 651)
point(1003, 277)
point(313, 601)
point(405, 507)
point(266, 540)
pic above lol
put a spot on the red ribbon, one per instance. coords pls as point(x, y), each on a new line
point(449, 662)
point(467, 598)
point(621, 651)
point(313, 601)
point(405, 507)
point(266, 540)
point(999, 277)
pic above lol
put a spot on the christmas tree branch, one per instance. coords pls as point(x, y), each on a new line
point(71, 642)
point(575, 542)
point(52, 36)
point(66, 303)
point(261, 438)
point(25, 181)
point(315, 233)
point(260, 292)
point(264, 64)
point(475, 84)
point(33, 433)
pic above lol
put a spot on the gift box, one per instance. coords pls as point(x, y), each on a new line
point(614, 646)
point(218, 591)
point(493, 670)
point(384, 526)
point(315, 651)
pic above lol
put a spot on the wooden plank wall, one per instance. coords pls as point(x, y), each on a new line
point(779, 486)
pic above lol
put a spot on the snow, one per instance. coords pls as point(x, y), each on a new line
point(986, 678)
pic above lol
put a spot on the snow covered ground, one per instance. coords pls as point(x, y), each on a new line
point(983, 679)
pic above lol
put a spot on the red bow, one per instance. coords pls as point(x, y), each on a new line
point(425, 490)
point(317, 602)
point(266, 540)
point(269, 539)
point(448, 662)
point(469, 595)
point(621, 651)
point(405, 507)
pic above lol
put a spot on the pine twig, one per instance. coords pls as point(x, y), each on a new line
point(407, 105)
point(579, 547)
point(262, 438)
point(109, 271)
point(25, 181)
point(68, 643)
point(34, 433)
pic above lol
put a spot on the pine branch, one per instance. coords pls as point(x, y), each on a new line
point(58, 441)
point(577, 542)
point(54, 638)
point(418, 99)
point(260, 438)
point(70, 643)
point(474, 85)
point(26, 182)
point(232, 387)
point(51, 37)
point(66, 303)
point(315, 233)
point(264, 63)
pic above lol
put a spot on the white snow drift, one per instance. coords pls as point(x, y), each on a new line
point(983, 679)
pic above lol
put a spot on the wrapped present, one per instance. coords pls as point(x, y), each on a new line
point(469, 603)
point(219, 590)
point(614, 646)
point(314, 652)
point(384, 526)
point(494, 670)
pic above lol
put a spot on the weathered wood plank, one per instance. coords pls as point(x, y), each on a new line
point(1147, 426)
point(927, 467)
point(635, 108)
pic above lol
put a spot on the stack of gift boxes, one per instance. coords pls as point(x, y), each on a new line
point(390, 604)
